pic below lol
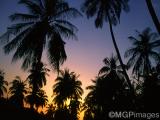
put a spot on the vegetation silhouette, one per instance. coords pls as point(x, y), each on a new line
point(111, 80)
point(111, 65)
point(36, 100)
point(67, 89)
point(143, 51)
point(37, 79)
point(3, 84)
point(18, 90)
point(45, 26)
point(108, 11)
point(143, 56)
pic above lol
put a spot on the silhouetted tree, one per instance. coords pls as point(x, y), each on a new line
point(37, 79)
point(18, 90)
point(111, 65)
point(89, 105)
point(45, 23)
point(36, 100)
point(74, 107)
point(37, 76)
point(108, 10)
point(67, 86)
point(42, 99)
point(142, 53)
point(94, 101)
point(139, 92)
point(142, 56)
point(109, 92)
point(3, 84)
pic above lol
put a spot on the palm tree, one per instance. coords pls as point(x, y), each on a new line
point(37, 79)
point(142, 56)
point(45, 24)
point(143, 52)
point(36, 100)
point(111, 65)
point(32, 100)
point(97, 103)
point(3, 84)
point(108, 10)
point(93, 106)
point(89, 105)
point(74, 108)
point(153, 15)
point(67, 87)
point(42, 99)
point(18, 90)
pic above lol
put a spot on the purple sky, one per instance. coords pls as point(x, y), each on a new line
point(85, 55)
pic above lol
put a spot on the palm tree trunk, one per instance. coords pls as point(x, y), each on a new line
point(120, 59)
point(153, 15)
point(147, 67)
point(39, 53)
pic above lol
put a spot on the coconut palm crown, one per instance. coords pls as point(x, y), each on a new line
point(44, 25)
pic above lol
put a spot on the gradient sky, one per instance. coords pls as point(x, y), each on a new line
point(85, 55)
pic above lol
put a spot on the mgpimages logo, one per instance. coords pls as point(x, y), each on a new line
point(132, 114)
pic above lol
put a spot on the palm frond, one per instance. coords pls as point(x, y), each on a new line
point(16, 41)
point(155, 56)
point(104, 70)
point(28, 61)
point(4, 38)
point(33, 7)
point(100, 18)
point(130, 52)
point(66, 31)
point(90, 7)
point(40, 3)
point(132, 39)
point(68, 13)
point(19, 27)
point(155, 44)
point(132, 60)
point(56, 51)
point(23, 17)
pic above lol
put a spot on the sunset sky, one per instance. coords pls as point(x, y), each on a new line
point(85, 55)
